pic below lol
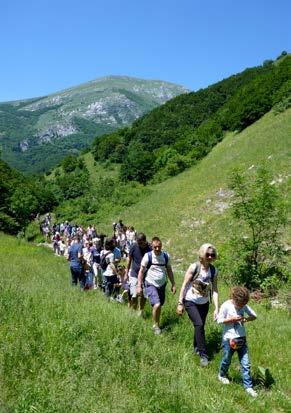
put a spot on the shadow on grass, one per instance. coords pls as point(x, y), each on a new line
point(213, 342)
point(169, 321)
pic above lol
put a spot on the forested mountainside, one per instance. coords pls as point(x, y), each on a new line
point(157, 146)
point(176, 135)
point(36, 134)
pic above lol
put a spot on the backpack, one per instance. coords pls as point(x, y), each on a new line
point(150, 260)
point(197, 272)
point(103, 261)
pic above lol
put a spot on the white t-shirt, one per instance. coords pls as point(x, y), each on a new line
point(157, 273)
point(110, 261)
point(237, 329)
point(196, 295)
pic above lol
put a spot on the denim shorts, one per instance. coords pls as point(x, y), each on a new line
point(154, 294)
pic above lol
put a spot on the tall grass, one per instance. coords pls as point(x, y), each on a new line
point(65, 351)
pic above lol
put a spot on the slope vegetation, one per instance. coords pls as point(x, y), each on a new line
point(192, 207)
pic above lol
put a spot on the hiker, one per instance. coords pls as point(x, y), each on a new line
point(232, 315)
point(87, 264)
point(56, 239)
point(199, 283)
point(96, 250)
point(157, 265)
point(75, 257)
point(107, 263)
point(136, 253)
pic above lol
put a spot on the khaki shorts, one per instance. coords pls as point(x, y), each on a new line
point(133, 287)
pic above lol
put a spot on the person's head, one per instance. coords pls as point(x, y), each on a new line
point(109, 245)
point(77, 239)
point(157, 245)
point(141, 239)
point(240, 296)
point(207, 253)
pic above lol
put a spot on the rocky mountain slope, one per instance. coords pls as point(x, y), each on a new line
point(36, 134)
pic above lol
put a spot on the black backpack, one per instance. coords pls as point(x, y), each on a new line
point(103, 261)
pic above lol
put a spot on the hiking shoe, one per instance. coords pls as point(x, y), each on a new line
point(157, 330)
point(223, 380)
point(251, 392)
point(204, 361)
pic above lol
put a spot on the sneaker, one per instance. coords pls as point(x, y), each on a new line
point(224, 380)
point(157, 330)
point(251, 392)
point(196, 351)
point(204, 361)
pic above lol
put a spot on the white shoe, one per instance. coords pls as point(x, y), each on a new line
point(251, 392)
point(223, 380)
point(157, 330)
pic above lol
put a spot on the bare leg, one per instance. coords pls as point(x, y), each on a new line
point(157, 314)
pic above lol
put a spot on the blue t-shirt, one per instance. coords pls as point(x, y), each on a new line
point(74, 250)
point(136, 253)
point(117, 254)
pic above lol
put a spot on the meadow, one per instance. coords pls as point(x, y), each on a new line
point(63, 350)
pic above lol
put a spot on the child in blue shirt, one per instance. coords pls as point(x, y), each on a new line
point(234, 313)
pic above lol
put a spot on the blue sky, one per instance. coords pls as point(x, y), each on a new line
point(50, 45)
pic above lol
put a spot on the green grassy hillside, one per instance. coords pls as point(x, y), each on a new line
point(67, 351)
point(192, 207)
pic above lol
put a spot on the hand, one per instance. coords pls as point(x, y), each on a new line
point(138, 290)
point(180, 309)
point(237, 318)
point(215, 314)
point(173, 289)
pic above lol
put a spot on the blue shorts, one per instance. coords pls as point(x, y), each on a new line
point(155, 295)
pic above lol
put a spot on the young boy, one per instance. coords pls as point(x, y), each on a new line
point(232, 315)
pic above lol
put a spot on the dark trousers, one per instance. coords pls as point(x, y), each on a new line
point(197, 314)
point(77, 275)
point(110, 285)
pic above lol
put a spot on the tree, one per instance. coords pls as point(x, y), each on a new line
point(260, 214)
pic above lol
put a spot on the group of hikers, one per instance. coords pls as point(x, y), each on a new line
point(96, 263)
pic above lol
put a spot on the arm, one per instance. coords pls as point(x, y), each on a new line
point(215, 298)
point(139, 279)
point(187, 279)
point(171, 277)
point(127, 267)
point(251, 314)
point(249, 318)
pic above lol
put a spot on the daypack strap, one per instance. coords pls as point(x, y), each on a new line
point(150, 260)
point(196, 272)
point(212, 275)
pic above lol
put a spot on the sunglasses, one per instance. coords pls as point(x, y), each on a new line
point(211, 255)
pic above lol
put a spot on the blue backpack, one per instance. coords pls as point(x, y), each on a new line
point(150, 260)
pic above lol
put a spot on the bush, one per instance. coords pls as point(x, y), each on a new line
point(255, 249)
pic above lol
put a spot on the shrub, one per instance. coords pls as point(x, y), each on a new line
point(255, 249)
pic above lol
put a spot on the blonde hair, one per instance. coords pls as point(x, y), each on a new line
point(204, 248)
